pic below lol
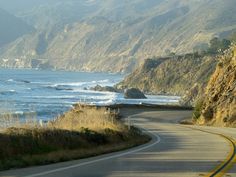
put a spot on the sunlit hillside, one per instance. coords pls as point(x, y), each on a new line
point(82, 33)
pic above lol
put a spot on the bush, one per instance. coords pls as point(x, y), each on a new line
point(218, 46)
point(94, 137)
point(198, 109)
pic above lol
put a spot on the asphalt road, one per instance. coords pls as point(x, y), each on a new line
point(175, 151)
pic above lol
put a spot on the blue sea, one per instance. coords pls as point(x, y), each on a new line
point(50, 93)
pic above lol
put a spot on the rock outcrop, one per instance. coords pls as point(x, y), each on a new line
point(134, 93)
point(219, 102)
point(100, 88)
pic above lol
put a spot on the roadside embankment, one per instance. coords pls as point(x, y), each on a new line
point(218, 105)
point(81, 132)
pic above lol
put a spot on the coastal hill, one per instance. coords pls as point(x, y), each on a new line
point(207, 82)
point(112, 35)
point(174, 75)
point(184, 75)
point(219, 101)
point(12, 28)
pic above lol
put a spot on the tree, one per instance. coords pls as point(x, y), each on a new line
point(218, 46)
point(214, 45)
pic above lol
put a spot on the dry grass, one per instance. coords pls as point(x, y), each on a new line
point(13, 120)
point(82, 132)
point(93, 118)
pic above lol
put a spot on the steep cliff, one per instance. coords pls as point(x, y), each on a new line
point(219, 102)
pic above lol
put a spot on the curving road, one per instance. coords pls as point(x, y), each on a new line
point(175, 151)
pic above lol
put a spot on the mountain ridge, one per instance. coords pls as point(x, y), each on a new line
point(116, 36)
point(8, 30)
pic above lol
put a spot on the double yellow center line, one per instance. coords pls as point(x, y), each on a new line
point(220, 170)
point(227, 164)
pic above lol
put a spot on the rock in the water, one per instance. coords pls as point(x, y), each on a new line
point(134, 93)
point(104, 89)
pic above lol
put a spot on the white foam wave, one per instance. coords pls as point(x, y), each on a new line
point(19, 112)
point(82, 84)
point(6, 92)
point(18, 81)
point(52, 97)
point(115, 98)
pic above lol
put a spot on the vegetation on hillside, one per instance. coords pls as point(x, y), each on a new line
point(219, 100)
point(172, 75)
point(96, 34)
point(186, 75)
point(82, 132)
point(197, 109)
point(216, 46)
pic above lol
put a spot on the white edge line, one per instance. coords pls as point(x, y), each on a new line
point(157, 140)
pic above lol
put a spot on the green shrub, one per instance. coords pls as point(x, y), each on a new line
point(198, 109)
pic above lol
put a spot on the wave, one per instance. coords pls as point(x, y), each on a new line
point(7, 92)
point(10, 80)
point(53, 97)
point(19, 81)
point(103, 81)
point(81, 84)
point(76, 86)
point(59, 87)
point(19, 113)
point(117, 98)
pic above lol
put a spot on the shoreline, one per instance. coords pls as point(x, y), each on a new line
point(144, 105)
point(134, 135)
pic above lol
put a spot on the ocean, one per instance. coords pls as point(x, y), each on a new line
point(50, 93)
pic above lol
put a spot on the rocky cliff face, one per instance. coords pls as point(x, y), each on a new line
point(219, 103)
point(177, 75)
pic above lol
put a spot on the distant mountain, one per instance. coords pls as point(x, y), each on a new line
point(114, 35)
point(11, 28)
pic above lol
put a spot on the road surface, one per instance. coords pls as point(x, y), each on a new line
point(175, 151)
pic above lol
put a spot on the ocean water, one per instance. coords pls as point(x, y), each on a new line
point(50, 93)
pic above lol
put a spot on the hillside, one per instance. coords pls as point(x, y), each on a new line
point(112, 35)
point(173, 75)
point(219, 102)
point(11, 28)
